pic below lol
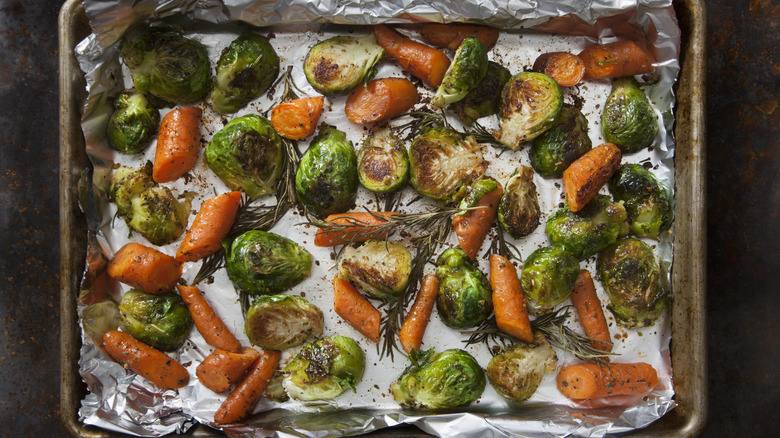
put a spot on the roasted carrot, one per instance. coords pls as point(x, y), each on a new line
point(178, 144)
point(614, 60)
point(359, 227)
point(297, 119)
point(590, 312)
point(147, 361)
point(590, 380)
point(416, 321)
point(208, 323)
point(380, 100)
point(451, 35)
point(508, 300)
point(239, 404)
point(210, 226)
point(356, 309)
point(566, 68)
point(423, 62)
point(144, 268)
point(473, 226)
point(222, 369)
point(583, 179)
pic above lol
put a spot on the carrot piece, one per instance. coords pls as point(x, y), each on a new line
point(380, 100)
point(149, 362)
point(178, 144)
point(144, 268)
point(473, 226)
point(240, 402)
point(361, 222)
point(208, 323)
point(423, 62)
point(590, 312)
point(416, 321)
point(451, 35)
point(297, 119)
point(566, 68)
point(210, 226)
point(614, 60)
point(583, 179)
point(356, 309)
point(508, 300)
point(590, 380)
point(222, 369)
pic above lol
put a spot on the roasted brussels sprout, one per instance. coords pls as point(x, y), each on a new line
point(339, 64)
point(464, 298)
point(628, 119)
point(567, 140)
point(99, 318)
point(324, 369)
point(548, 278)
point(517, 371)
point(518, 212)
point(648, 204)
point(133, 123)
point(467, 69)
point(167, 65)
point(246, 68)
point(383, 163)
point(477, 191)
point(443, 164)
point(161, 321)
point(631, 276)
point(327, 177)
point(379, 268)
point(589, 230)
point(127, 184)
point(530, 104)
point(247, 155)
point(278, 322)
point(259, 262)
point(483, 99)
point(443, 380)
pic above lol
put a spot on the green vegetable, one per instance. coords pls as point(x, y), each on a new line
point(161, 321)
point(567, 140)
point(483, 100)
point(649, 205)
point(379, 268)
point(339, 64)
point(518, 211)
point(548, 278)
point(133, 123)
point(324, 369)
point(99, 318)
point(476, 192)
point(278, 322)
point(628, 119)
point(467, 69)
point(517, 371)
point(530, 104)
point(464, 298)
point(382, 161)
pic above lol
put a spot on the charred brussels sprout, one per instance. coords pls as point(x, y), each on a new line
point(517, 371)
point(648, 204)
point(339, 64)
point(484, 99)
point(467, 69)
point(324, 369)
point(628, 119)
point(326, 180)
point(530, 104)
point(631, 276)
point(278, 322)
point(518, 212)
point(464, 298)
point(589, 230)
point(548, 278)
point(379, 268)
point(133, 123)
point(247, 155)
point(567, 140)
point(383, 163)
point(161, 321)
point(443, 380)
point(259, 262)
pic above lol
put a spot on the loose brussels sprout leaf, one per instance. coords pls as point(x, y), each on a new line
point(327, 178)
point(324, 369)
point(379, 268)
point(99, 318)
point(518, 370)
point(483, 100)
point(383, 163)
point(530, 104)
point(464, 298)
point(339, 64)
point(548, 278)
point(467, 69)
point(274, 391)
point(259, 262)
point(648, 204)
point(443, 380)
point(518, 211)
point(246, 68)
point(247, 155)
point(278, 322)
point(628, 119)
point(631, 276)
point(567, 140)
point(161, 321)
point(477, 191)
point(133, 123)
point(443, 164)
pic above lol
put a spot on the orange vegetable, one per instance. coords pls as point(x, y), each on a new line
point(416, 321)
point(144, 268)
point(508, 300)
point(297, 119)
point(423, 62)
point(239, 404)
point(614, 60)
point(356, 309)
point(590, 312)
point(361, 221)
point(473, 226)
point(147, 361)
point(178, 144)
point(380, 100)
point(583, 179)
point(210, 226)
point(566, 68)
point(208, 323)
point(451, 35)
point(222, 369)
point(590, 380)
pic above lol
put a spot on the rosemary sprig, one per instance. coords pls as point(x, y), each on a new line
point(427, 118)
point(288, 92)
point(499, 245)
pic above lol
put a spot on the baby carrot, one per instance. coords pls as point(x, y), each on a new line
point(508, 300)
point(583, 179)
point(239, 404)
point(358, 227)
point(416, 321)
point(380, 100)
point(208, 323)
point(356, 309)
point(451, 35)
point(566, 68)
point(178, 144)
point(473, 226)
point(210, 226)
point(614, 60)
point(147, 361)
point(144, 268)
point(297, 119)
point(222, 369)
point(590, 380)
point(590, 312)
point(423, 62)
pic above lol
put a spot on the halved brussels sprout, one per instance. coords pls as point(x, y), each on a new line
point(259, 262)
point(467, 69)
point(247, 155)
point(518, 212)
point(443, 163)
point(128, 183)
point(464, 298)
point(339, 64)
point(278, 322)
point(628, 119)
point(517, 371)
point(443, 380)
point(99, 318)
point(567, 140)
point(133, 123)
point(324, 369)
point(530, 104)
point(548, 278)
point(649, 205)
point(379, 268)
point(383, 163)
point(161, 321)
point(476, 192)
point(483, 100)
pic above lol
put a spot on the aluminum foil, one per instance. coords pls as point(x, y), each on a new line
point(120, 401)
